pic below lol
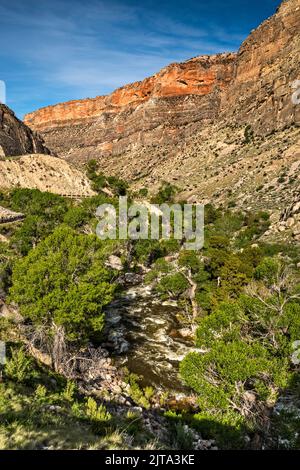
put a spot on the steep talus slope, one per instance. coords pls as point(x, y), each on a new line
point(45, 173)
point(16, 138)
point(218, 164)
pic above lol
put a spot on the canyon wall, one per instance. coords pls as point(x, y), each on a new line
point(250, 87)
point(267, 64)
point(153, 111)
point(16, 138)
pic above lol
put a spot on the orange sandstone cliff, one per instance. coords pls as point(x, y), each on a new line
point(250, 87)
point(142, 113)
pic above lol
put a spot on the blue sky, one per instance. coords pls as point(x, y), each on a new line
point(53, 51)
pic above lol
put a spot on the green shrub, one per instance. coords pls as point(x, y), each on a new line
point(64, 281)
point(18, 368)
point(248, 134)
point(174, 285)
point(166, 193)
point(97, 414)
point(76, 217)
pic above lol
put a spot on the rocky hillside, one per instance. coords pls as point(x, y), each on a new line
point(250, 87)
point(16, 138)
point(45, 173)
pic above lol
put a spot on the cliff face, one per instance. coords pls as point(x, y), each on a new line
point(252, 87)
point(16, 138)
point(267, 64)
point(153, 111)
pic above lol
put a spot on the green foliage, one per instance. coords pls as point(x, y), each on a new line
point(35, 202)
point(256, 224)
point(166, 193)
point(143, 192)
point(97, 414)
point(6, 262)
point(228, 223)
point(160, 267)
point(173, 284)
point(118, 185)
point(64, 280)
point(268, 271)
point(248, 134)
point(99, 180)
point(147, 251)
point(18, 367)
point(229, 371)
point(44, 412)
point(190, 260)
point(76, 217)
point(91, 167)
point(141, 396)
point(182, 438)
point(211, 214)
point(221, 428)
point(249, 346)
point(33, 229)
point(43, 210)
point(69, 391)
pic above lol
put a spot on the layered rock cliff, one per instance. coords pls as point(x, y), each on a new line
point(143, 113)
point(16, 138)
point(267, 65)
point(252, 87)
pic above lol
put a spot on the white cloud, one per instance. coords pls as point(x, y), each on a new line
point(90, 48)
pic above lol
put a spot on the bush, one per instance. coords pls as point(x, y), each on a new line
point(166, 193)
point(248, 134)
point(147, 251)
point(18, 368)
point(249, 347)
point(118, 186)
point(174, 285)
point(64, 281)
point(97, 414)
point(190, 260)
point(76, 217)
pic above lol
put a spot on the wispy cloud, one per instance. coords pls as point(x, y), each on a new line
point(63, 49)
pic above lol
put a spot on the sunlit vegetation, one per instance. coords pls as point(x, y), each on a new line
point(239, 296)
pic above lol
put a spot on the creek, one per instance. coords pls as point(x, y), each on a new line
point(144, 333)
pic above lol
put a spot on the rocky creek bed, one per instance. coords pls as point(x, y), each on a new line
point(145, 335)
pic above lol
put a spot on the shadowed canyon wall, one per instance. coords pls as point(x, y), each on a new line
point(16, 138)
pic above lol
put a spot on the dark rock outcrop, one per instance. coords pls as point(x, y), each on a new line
point(7, 216)
point(16, 138)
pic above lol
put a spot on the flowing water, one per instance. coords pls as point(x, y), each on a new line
point(143, 330)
